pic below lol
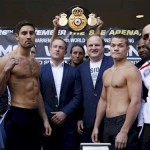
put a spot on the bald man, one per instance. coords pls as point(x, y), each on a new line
point(145, 72)
point(146, 35)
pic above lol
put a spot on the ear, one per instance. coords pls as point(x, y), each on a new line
point(17, 36)
point(65, 51)
point(49, 48)
point(128, 48)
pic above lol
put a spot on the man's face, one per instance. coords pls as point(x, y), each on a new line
point(142, 49)
point(58, 50)
point(95, 48)
point(26, 36)
point(146, 36)
point(118, 48)
point(77, 55)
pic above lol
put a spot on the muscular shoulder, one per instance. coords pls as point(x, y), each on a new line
point(132, 72)
point(4, 60)
point(131, 67)
point(107, 72)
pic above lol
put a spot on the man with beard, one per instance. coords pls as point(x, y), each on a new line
point(146, 35)
point(21, 72)
point(145, 72)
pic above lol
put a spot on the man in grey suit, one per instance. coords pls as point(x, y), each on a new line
point(91, 72)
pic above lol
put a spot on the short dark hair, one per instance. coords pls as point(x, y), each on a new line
point(103, 42)
point(77, 45)
point(59, 38)
point(23, 23)
point(121, 36)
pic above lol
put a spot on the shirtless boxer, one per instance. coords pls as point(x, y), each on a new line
point(20, 72)
point(120, 99)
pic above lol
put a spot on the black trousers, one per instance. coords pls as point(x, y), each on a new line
point(112, 127)
point(63, 137)
point(23, 129)
point(145, 138)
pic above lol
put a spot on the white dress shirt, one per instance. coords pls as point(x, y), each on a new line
point(58, 75)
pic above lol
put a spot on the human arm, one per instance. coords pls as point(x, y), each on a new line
point(141, 118)
point(43, 115)
point(100, 113)
point(42, 111)
point(99, 25)
point(55, 31)
point(73, 92)
point(133, 79)
point(7, 63)
point(140, 114)
point(80, 126)
point(70, 96)
point(58, 117)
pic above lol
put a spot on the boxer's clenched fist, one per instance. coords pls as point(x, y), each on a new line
point(11, 63)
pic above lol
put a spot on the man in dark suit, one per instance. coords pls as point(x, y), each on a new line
point(91, 72)
point(61, 91)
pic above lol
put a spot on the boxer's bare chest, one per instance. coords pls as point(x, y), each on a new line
point(27, 67)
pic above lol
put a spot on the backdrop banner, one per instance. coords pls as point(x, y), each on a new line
point(43, 35)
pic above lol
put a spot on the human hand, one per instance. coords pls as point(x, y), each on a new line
point(121, 140)
point(58, 117)
point(94, 135)
point(48, 129)
point(80, 126)
point(99, 22)
point(55, 22)
point(11, 63)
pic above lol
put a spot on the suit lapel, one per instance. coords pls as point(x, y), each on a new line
point(64, 78)
point(88, 72)
point(50, 75)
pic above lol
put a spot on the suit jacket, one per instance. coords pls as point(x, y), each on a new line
point(92, 94)
point(70, 93)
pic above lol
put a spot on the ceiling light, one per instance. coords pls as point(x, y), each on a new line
point(139, 16)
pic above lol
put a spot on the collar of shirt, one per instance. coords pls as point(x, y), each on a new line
point(60, 65)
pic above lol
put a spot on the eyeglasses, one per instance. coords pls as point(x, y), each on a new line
point(139, 47)
point(146, 36)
